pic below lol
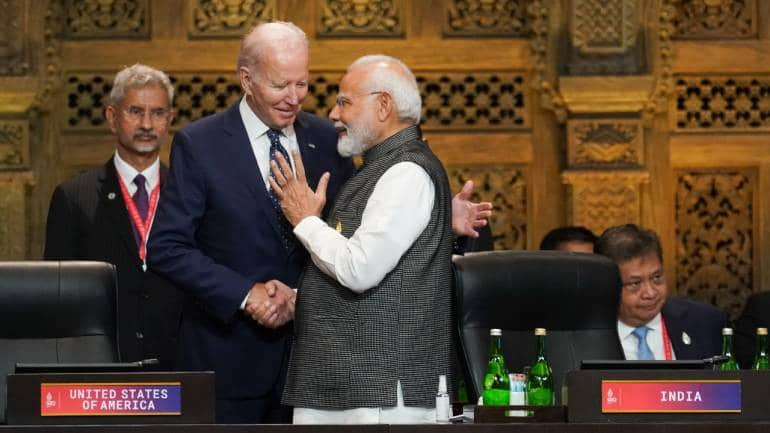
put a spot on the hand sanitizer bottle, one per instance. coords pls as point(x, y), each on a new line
point(442, 401)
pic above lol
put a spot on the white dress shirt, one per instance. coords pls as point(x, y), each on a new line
point(395, 215)
point(654, 339)
point(127, 173)
point(260, 144)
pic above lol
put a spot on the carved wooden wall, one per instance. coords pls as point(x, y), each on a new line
point(592, 112)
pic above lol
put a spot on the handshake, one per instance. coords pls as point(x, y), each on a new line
point(270, 304)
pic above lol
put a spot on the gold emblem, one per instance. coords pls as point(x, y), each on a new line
point(339, 227)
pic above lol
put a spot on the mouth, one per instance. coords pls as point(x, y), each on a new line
point(341, 129)
point(145, 137)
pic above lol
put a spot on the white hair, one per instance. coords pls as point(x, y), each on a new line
point(397, 80)
point(276, 34)
point(138, 76)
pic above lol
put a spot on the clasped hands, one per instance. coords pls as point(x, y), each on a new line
point(271, 304)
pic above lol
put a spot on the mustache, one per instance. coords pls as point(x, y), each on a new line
point(145, 136)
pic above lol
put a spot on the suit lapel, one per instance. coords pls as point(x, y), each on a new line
point(112, 200)
point(244, 165)
point(676, 317)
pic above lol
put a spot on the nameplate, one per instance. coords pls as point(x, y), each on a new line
point(110, 399)
point(671, 396)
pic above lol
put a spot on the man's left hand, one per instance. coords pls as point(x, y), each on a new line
point(466, 215)
point(298, 200)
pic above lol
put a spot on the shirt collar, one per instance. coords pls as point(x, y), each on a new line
point(128, 172)
point(255, 127)
point(626, 330)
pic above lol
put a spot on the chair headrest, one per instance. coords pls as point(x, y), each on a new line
point(536, 285)
point(50, 299)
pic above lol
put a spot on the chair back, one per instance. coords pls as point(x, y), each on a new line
point(573, 295)
point(56, 312)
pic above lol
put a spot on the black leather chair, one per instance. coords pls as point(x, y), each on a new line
point(574, 296)
point(56, 312)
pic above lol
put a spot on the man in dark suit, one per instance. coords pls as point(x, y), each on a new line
point(104, 214)
point(220, 236)
point(650, 325)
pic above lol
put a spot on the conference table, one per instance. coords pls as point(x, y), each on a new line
point(762, 427)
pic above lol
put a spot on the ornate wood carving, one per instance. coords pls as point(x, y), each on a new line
point(487, 18)
point(91, 19)
point(13, 214)
point(228, 18)
point(601, 199)
point(605, 38)
point(370, 18)
point(714, 235)
point(505, 186)
point(608, 142)
point(604, 26)
point(710, 19)
point(722, 103)
point(14, 143)
point(14, 53)
point(482, 101)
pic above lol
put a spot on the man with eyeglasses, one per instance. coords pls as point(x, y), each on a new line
point(373, 322)
point(651, 325)
point(105, 214)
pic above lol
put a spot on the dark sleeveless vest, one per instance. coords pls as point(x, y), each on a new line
point(350, 349)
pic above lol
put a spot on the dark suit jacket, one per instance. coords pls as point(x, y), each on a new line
point(87, 220)
point(216, 234)
point(756, 314)
point(702, 323)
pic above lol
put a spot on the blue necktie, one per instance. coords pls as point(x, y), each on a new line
point(644, 352)
point(275, 146)
point(142, 203)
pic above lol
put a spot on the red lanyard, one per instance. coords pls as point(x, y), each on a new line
point(666, 340)
point(142, 227)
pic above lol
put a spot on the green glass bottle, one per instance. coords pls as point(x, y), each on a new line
point(761, 362)
point(496, 382)
point(727, 350)
point(540, 377)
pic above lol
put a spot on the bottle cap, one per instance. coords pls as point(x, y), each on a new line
point(495, 332)
point(442, 383)
point(727, 331)
point(761, 331)
point(540, 331)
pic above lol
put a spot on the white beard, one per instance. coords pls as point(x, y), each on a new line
point(347, 146)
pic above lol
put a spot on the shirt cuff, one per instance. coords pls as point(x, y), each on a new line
point(307, 227)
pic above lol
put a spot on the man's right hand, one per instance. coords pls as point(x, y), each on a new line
point(271, 304)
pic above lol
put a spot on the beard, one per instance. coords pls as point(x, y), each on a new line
point(356, 141)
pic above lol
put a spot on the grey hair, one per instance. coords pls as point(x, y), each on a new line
point(273, 34)
point(397, 80)
point(138, 76)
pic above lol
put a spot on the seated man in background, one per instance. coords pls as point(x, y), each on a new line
point(755, 314)
point(373, 320)
point(650, 325)
point(104, 214)
point(576, 239)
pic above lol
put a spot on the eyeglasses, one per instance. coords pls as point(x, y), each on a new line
point(158, 115)
point(344, 101)
point(656, 280)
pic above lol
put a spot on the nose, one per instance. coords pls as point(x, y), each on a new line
point(648, 289)
point(146, 122)
point(292, 97)
point(334, 115)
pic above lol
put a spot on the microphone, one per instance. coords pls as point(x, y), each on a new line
point(716, 360)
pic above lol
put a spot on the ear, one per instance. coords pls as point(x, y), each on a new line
point(245, 75)
point(385, 106)
point(112, 118)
